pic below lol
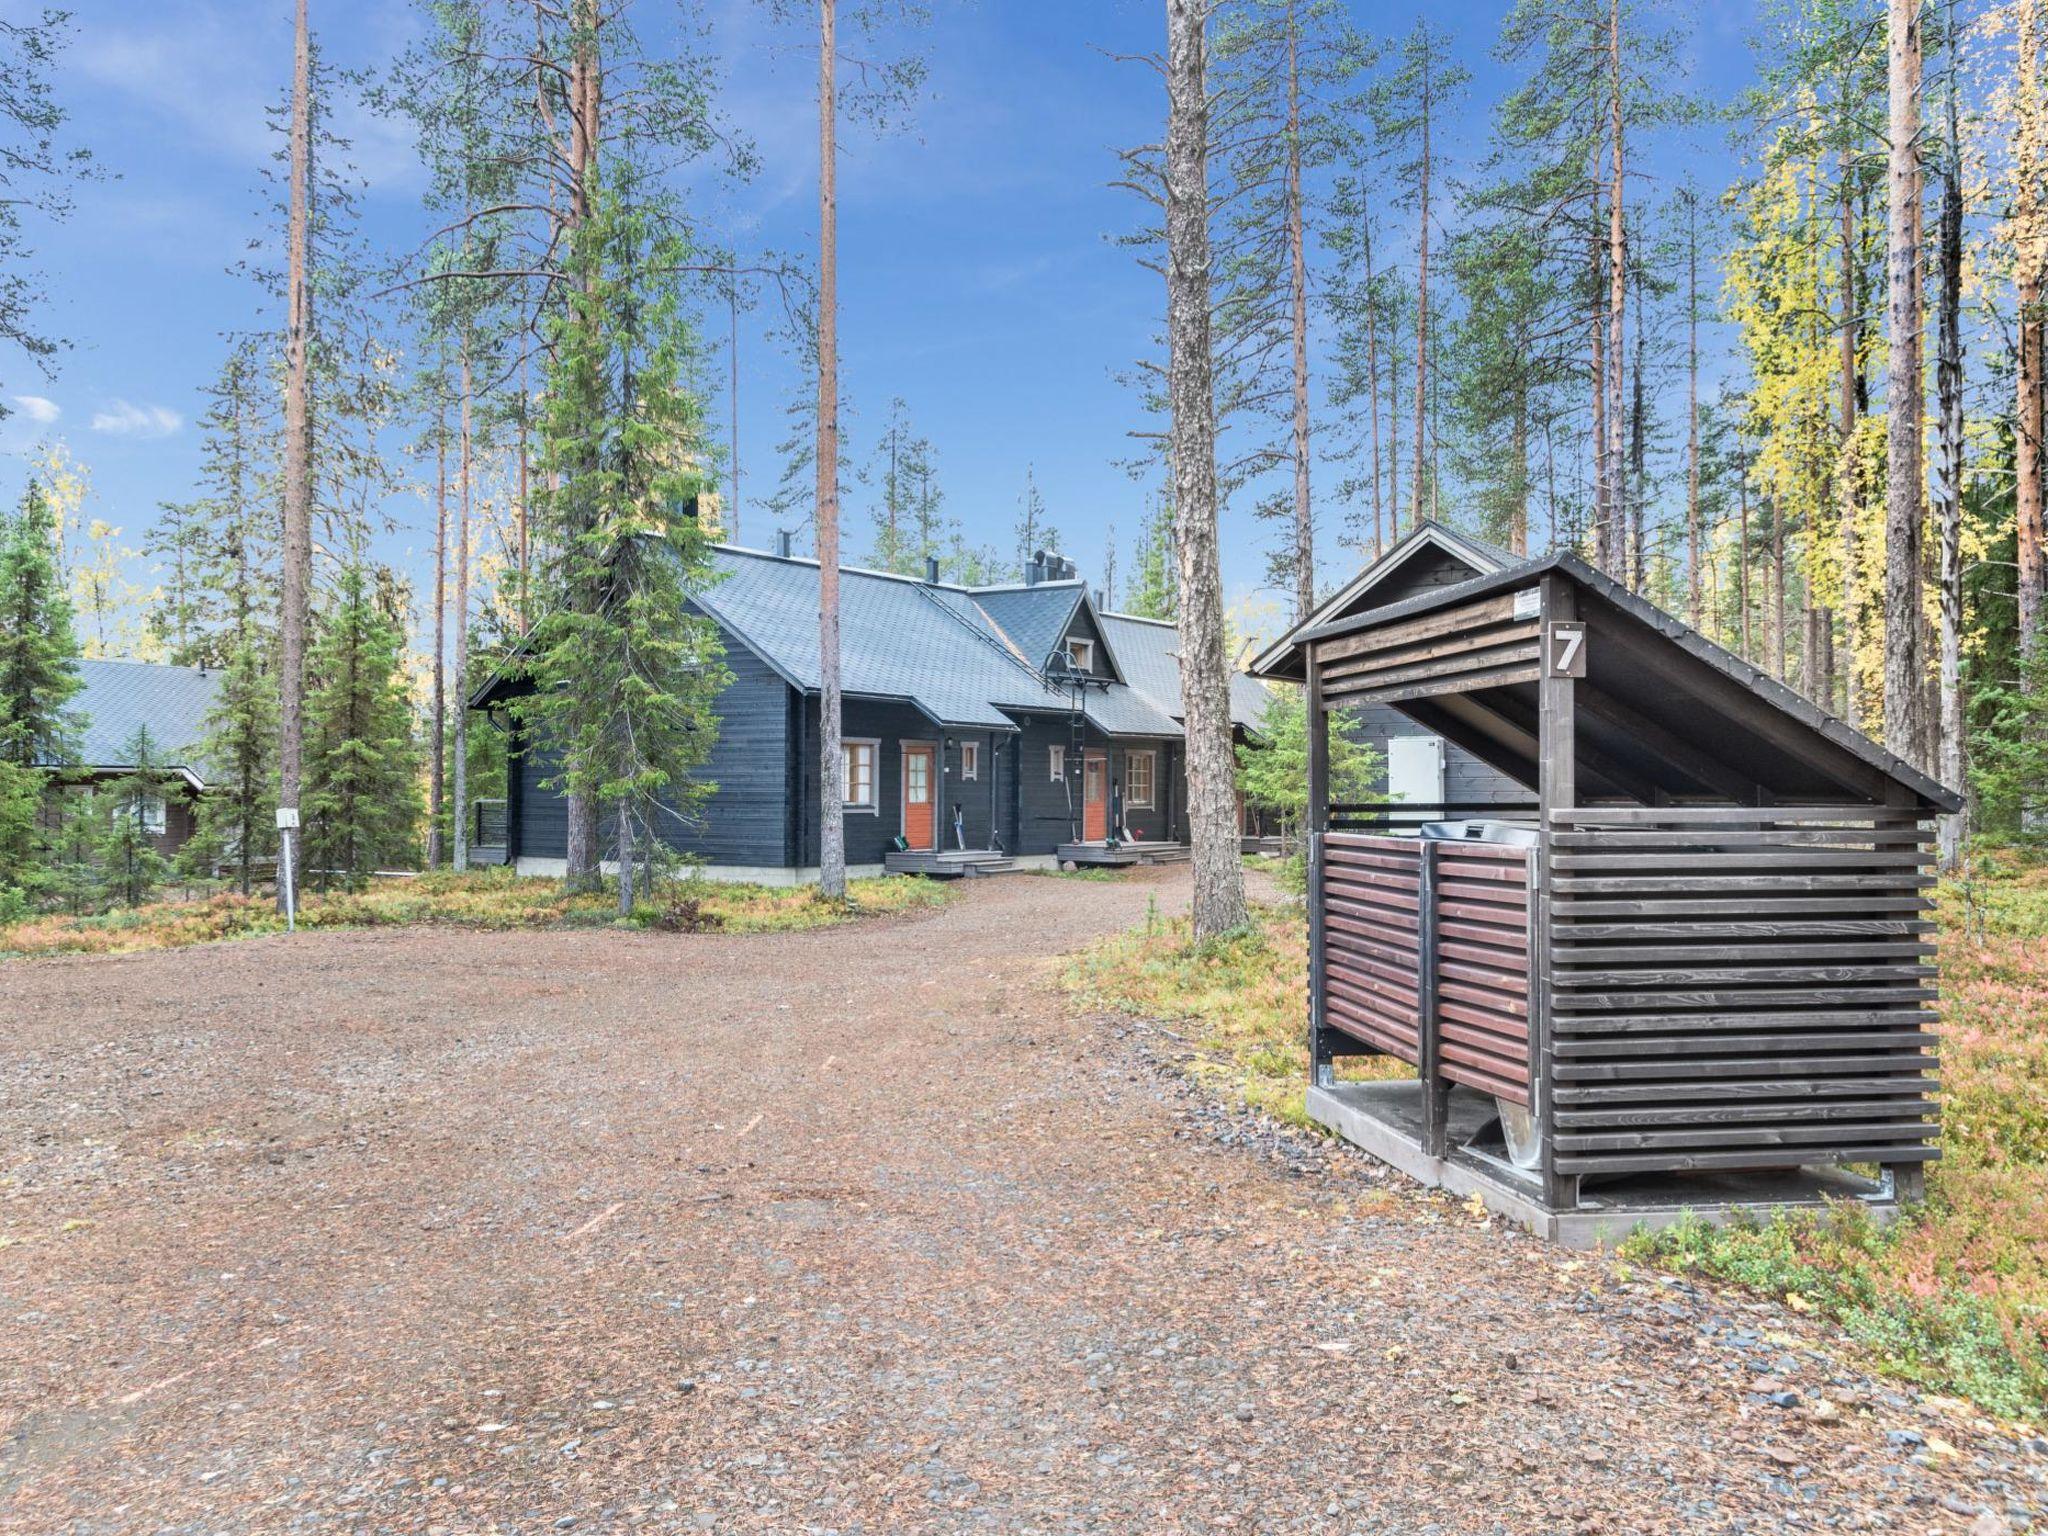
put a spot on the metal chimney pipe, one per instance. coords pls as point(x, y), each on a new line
point(931, 569)
point(782, 542)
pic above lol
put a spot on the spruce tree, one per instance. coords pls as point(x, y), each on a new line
point(236, 829)
point(130, 865)
point(38, 647)
point(362, 793)
point(626, 674)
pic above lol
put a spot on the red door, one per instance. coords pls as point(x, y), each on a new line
point(1094, 798)
point(920, 821)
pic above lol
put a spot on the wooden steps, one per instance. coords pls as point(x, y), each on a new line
point(1123, 856)
point(949, 864)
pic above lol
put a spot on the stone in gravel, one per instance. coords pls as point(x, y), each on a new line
point(1245, 1411)
point(1905, 1437)
point(1787, 1399)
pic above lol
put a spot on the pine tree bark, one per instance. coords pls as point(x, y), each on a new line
point(1297, 259)
point(831, 816)
point(1902, 665)
point(1372, 392)
point(1219, 899)
point(297, 573)
point(1848, 466)
point(461, 774)
point(1947, 479)
point(1617, 295)
point(1604, 553)
point(1695, 533)
point(2029, 226)
point(437, 758)
point(586, 98)
point(1417, 474)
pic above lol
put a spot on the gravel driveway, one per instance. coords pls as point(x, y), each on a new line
point(856, 1230)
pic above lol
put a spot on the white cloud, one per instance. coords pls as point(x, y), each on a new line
point(122, 419)
point(37, 409)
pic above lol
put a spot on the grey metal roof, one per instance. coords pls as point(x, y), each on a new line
point(898, 640)
point(1036, 618)
point(1148, 650)
point(121, 696)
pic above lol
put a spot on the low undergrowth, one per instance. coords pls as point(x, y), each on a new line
point(1242, 998)
point(1954, 1296)
point(487, 899)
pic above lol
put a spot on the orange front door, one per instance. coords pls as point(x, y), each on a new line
point(920, 795)
point(1094, 798)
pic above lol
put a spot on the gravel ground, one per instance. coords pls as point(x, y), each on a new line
point(856, 1230)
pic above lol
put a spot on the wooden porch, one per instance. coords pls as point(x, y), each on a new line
point(949, 863)
point(1103, 855)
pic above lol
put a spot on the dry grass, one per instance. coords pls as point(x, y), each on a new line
point(482, 899)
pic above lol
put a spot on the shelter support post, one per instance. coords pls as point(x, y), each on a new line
point(1556, 789)
point(1321, 1071)
point(1436, 1088)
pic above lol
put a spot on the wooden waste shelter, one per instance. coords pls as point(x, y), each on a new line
point(1691, 971)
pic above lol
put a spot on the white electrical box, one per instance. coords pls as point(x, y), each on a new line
point(1415, 770)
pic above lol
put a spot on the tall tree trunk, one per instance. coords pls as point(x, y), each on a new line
point(732, 521)
point(1219, 900)
point(1848, 464)
point(1518, 460)
point(1902, 617)
point(298, 442)
point(2029, 224)
point(1947, 478)
point(1372, 372)
point(461, 774)
point(586, 97)
point(1617, 289)
point(831, 816)
point(1742, 547)
point(1297, 259)
point(1778, 593)
point(437, 761)
point(1605, 555)
point(1695, 533)
point(525, 521)
point(1638, 454)
point(1416, 478)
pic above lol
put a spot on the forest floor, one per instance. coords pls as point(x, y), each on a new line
point(866, 1228)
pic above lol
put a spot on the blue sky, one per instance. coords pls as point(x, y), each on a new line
point(978, 276)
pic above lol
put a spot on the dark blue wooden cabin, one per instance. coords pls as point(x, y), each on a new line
point(982, 726)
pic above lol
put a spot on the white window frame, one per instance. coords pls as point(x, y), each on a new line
point(872, 805)
point(1057, 762)
point(1131, 800)
point(149, 813)
point(1081, 654)
point(970, 759)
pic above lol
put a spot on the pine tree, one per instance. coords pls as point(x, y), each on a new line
point(236, 828)
point(130, 865)
point(1152, 591)
point(1034, 531)
point(38, 647)
point(627, 677)
point(362, 791)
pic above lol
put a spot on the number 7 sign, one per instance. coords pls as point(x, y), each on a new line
point(1564, 650)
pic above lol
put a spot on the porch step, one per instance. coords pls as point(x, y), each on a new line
point(951, 864)
point(1123, 856)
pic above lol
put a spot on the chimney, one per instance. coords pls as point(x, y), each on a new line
point(782, 542)
point(931, 569)
point(1035, 572)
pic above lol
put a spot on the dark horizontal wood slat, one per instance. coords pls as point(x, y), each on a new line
point(1710, 815)
point(1447, 621)
point(1724, 907)
point(1399, 1004)
point(1785, 1068)
point(1579, 978)
point(1498, 957)
point(1623, 840)
point(1681, 864)
point(1735, 885)
point(1900, 950)
point(1744, 928)
point(1900, 994)
point(1514, 644)
point(1481, 1016)
point(1576, 1024)
point(1834, 1110)
point(1372, 841)
point(1761, 1157)
point(1466, 682)
point(1799, 1090)
point(1645, 1046)
point(1745, 1136)
point(1477, 637)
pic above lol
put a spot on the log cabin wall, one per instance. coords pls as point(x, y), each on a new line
point(1740, 988)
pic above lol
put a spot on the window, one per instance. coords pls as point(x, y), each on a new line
point(857, 783)
point(148, 812)
point(1082, 654)
point(1058, 764)
point(970, 759)
point(1138, 780)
